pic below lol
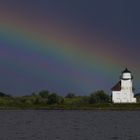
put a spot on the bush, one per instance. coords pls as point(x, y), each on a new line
point(99, 97)
point(44, 93)
point(55, 99)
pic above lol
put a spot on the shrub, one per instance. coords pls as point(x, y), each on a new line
point(44, 93)
point(55, 99)
point(99, 97)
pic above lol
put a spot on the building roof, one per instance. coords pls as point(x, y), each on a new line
point(126, 71)
point(117, 87)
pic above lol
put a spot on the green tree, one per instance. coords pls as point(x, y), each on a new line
point(99, 97)
point(55, 99)
point(44, 93)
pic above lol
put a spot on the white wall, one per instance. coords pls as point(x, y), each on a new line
point(122, 97)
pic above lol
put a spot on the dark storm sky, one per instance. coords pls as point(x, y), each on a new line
point(67, 45)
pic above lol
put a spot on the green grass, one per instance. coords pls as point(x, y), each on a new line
point(75, 107)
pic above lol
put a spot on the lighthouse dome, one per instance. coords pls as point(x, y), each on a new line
point(126, 74)
point(126, 71)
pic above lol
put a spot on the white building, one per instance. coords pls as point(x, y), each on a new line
point(122, 92)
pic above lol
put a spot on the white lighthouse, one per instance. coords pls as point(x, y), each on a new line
point(122, 92)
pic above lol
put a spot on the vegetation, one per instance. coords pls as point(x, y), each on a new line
point(99, 97)
point(46, 100)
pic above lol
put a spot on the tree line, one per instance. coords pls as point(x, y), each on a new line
point(44, 98)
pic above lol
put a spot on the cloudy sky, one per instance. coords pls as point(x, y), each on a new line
point(66, 46)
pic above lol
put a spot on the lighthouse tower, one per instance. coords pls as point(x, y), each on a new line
point(122, 92)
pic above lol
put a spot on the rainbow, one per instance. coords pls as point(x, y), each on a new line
point(50, 48)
